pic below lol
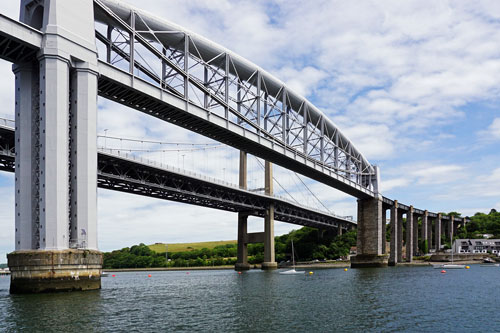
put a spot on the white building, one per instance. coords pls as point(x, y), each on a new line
point(477, 246)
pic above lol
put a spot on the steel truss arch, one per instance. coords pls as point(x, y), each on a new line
point(211, 77)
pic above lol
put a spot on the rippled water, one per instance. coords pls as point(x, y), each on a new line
point(390, 299)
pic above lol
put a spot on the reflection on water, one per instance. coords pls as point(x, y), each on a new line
point(390, 299)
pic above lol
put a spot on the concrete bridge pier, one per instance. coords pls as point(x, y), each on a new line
point(437, 233)
point(269, 255)
point(415, 234)
point(266, 237)
point(371, 230)
point(385, 208)
point(430, 238)
point(409, 234)
point(56, 158)
point(242, 254)
point(399, 241)
point(393, 256)
point(424, 244)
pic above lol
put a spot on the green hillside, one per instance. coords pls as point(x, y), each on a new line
point(183, 247)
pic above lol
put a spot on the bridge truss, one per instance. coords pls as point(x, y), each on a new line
point(145, 178)
point(216, 93)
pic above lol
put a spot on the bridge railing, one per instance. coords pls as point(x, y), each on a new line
point(162, 166)
point(7, 123)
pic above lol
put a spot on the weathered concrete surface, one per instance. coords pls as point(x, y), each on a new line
point(400, 240)
point(437, 233)
point(38, 271)
point(363, 261)
point(393, 256)
point(370, 235)
point(269, 255)
point(409, 234)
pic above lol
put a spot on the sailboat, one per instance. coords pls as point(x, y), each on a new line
point(452, 265)
point(292, 271)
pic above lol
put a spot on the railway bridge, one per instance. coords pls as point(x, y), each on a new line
point(65, 55)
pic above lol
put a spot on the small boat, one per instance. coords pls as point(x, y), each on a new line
point(452, 265)
point(292, 271)
point(448, 266)
point(490, 265)
point(104, 274)
point(488, 260)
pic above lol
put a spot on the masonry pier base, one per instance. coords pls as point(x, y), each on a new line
point(39, 271)
point(368, 260)
point(371, 233)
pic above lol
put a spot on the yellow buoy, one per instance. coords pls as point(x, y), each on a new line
point(311, 273)
point(345, 269)
point(467, 267)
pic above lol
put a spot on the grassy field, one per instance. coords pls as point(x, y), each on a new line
point(182, 247)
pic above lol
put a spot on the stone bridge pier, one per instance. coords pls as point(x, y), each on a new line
point(56, 153)
point(371, 235)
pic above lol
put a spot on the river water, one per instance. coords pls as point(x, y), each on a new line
point(331, 300)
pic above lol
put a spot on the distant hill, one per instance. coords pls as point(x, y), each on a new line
point(183, 247)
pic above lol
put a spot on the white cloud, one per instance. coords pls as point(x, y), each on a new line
point(391, 74)
point(390, 184)
point(492, 133)
point(437, 174)
point(303, 81)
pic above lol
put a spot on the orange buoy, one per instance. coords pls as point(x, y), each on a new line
point(113, 275)
point(345, 269)
point(149, 275)
point(443, 271)
point(239, 272)
point(467, 267)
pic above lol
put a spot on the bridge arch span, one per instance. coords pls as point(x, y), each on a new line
point(226, 84)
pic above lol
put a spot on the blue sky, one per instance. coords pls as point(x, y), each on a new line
point(414, 84)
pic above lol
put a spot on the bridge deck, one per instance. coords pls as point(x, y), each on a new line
point(144, 178)
point(18, 41)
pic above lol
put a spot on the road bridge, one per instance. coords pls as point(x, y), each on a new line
point(65, 56)
point(129, 174)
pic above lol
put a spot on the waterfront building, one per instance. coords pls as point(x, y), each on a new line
point(472, 246)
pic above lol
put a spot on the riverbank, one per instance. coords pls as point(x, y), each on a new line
point(315, 265)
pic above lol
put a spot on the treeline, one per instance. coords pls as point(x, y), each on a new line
point(309, 244)
point(481, 224)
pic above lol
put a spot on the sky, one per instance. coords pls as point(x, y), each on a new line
point(414, 85)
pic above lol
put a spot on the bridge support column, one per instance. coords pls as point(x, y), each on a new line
point(27, 108)
point(393, 256)
point(242, 259)
point(385, 208)
point(409, 234)
point(437, 233)
point(415, 234)
point(424, 244)
point(369, 243)
point(399, 241)
point(430, 239)
point(269, 259)
point(57, 231)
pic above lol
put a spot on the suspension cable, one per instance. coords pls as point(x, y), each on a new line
point(277, 182)
point(312, 193)
point(160, 142)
